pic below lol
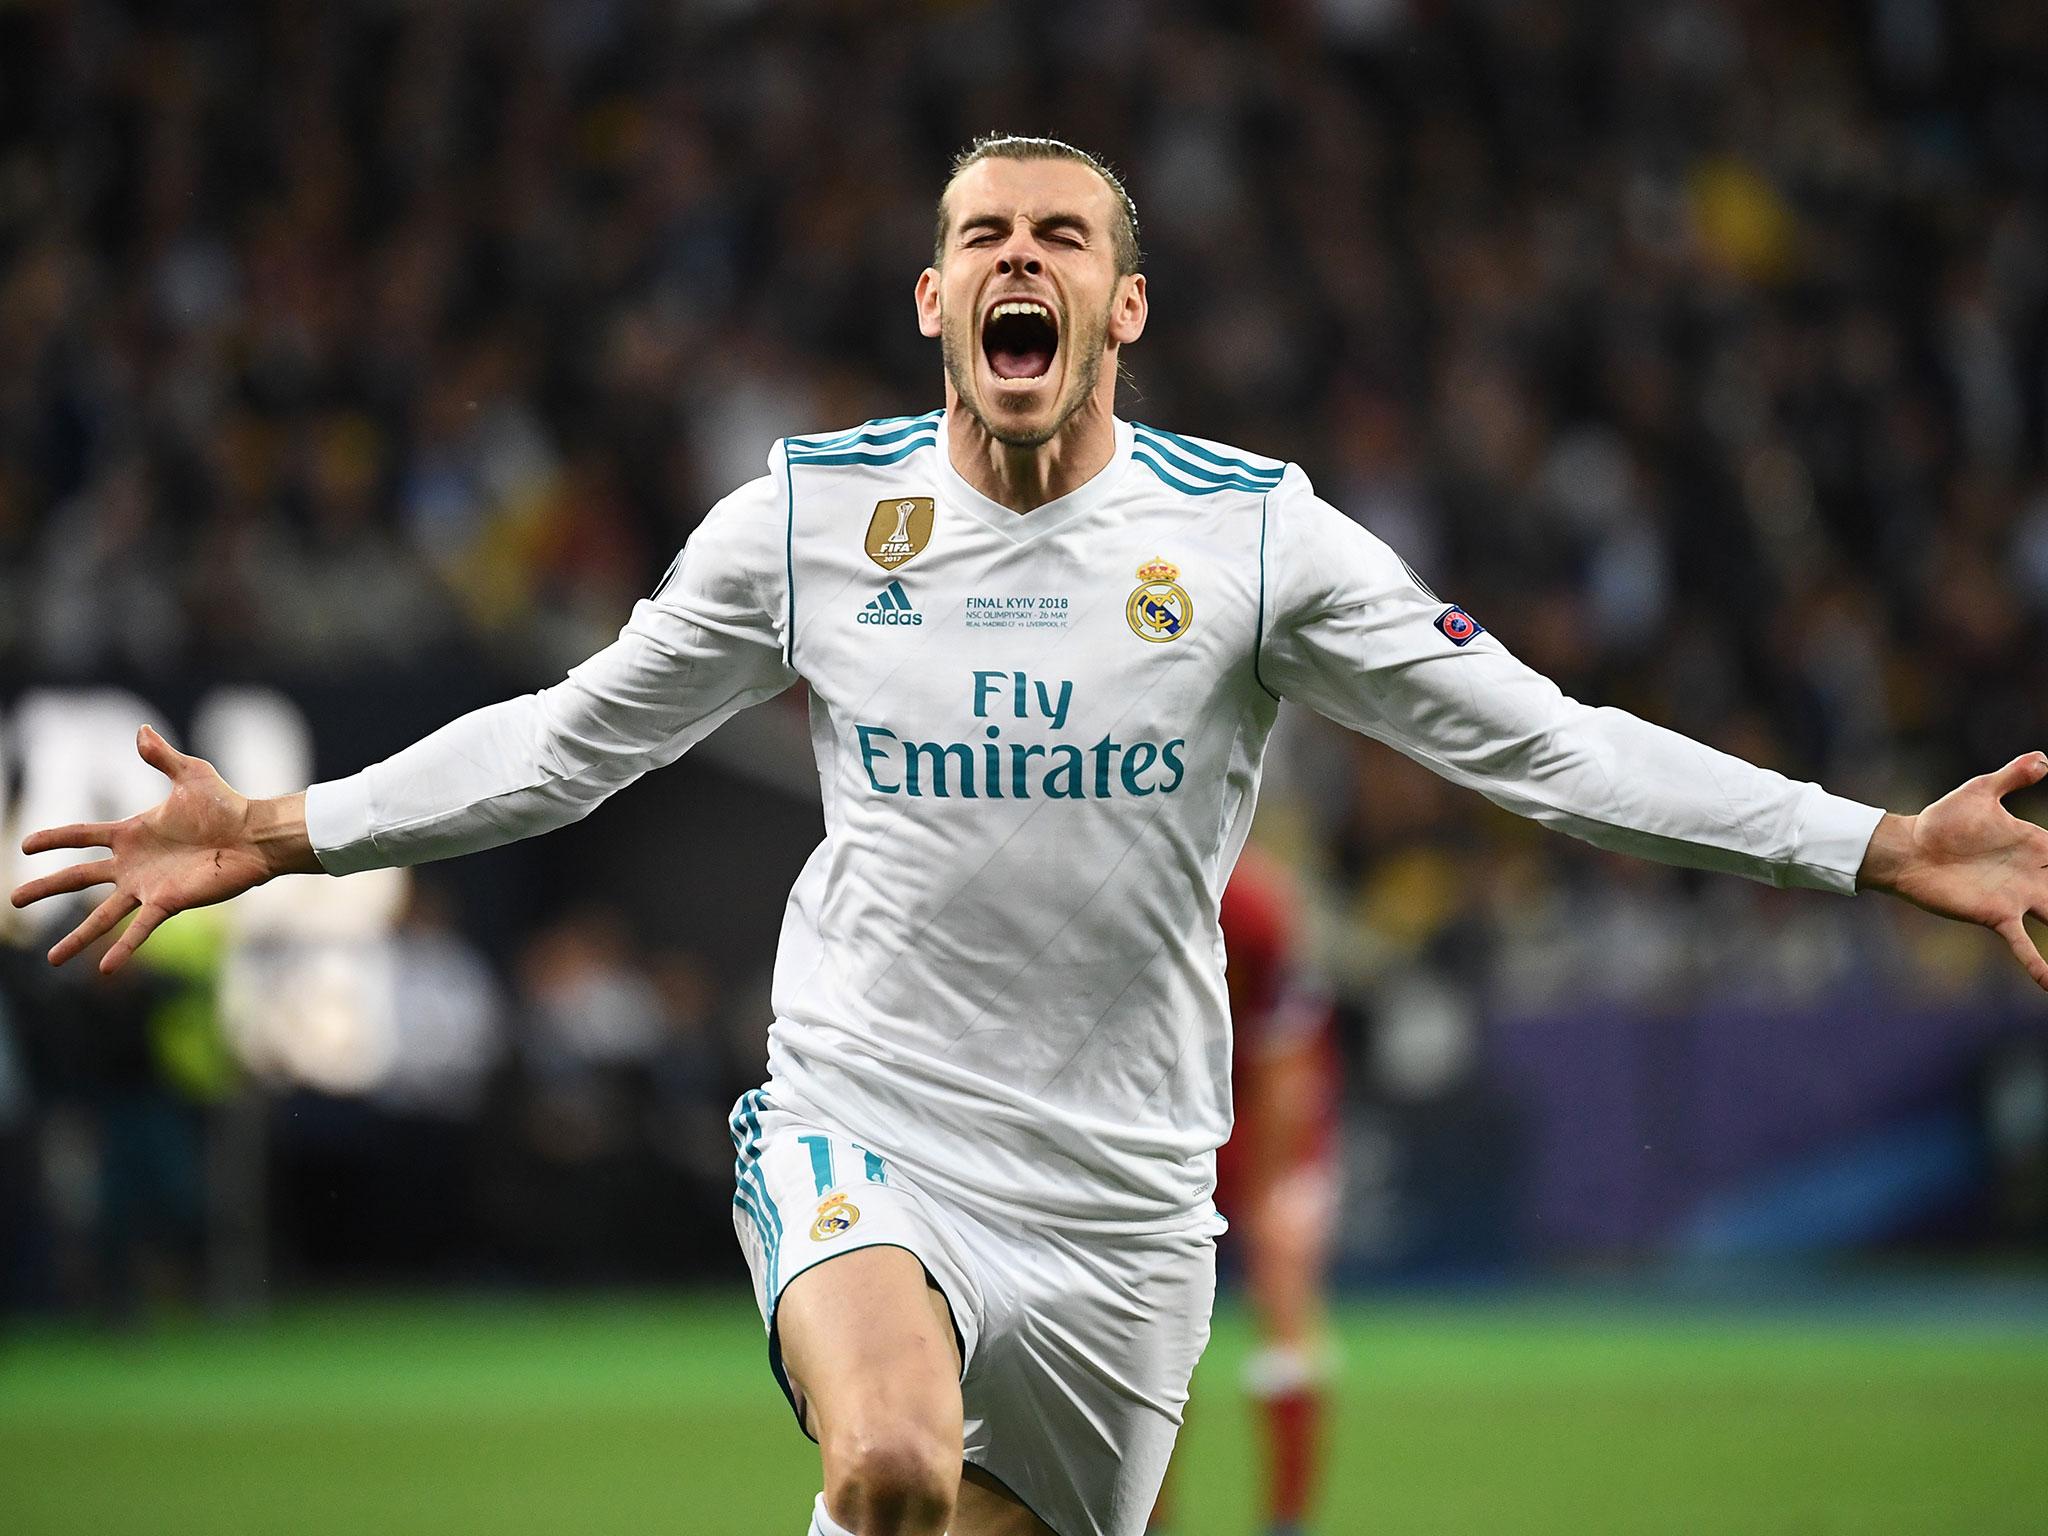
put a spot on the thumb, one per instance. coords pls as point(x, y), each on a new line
point(160, 754)
point(2022, 771)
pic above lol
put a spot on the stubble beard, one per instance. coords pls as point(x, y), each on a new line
point(959, 359)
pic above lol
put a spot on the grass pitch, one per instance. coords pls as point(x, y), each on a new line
point(602, 1418)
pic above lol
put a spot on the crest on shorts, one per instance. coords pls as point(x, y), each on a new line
point(900, 528)
point(836, 1216)
point(1160, 609)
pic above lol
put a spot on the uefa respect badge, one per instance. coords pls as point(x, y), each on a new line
point(1458, 626)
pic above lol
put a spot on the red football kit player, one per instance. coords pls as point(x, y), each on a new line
point(1277, 1176)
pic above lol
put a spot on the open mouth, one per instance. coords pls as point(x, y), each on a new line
point(1020, 338)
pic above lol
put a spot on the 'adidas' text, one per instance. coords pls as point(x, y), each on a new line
point(891, 607)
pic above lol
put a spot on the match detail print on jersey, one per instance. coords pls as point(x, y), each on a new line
point(900, 529)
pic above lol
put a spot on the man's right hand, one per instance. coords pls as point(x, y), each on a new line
point(203, 844)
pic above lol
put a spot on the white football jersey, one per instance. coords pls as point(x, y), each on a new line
point(1039, 740)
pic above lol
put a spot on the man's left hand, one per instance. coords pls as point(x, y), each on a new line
point(1968, 857)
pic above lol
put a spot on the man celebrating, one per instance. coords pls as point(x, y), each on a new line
point(1044, 649)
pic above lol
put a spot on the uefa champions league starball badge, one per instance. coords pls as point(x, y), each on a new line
point(1160, 609)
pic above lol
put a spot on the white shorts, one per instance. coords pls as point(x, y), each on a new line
point(1076, 1350)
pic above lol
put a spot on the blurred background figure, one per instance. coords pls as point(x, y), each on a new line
point(1278, 1180)
point(593, 1026)
point(126, 1076)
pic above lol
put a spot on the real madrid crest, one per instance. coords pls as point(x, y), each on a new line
point(1160, 610)
point(900, 528)
point(836, 1216)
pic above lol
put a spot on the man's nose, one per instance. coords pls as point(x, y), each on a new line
point(1018, 258)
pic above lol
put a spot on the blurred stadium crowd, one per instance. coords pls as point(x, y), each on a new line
point(1700, 349)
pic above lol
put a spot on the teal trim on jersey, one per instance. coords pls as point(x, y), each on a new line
point(1259, 633)
point(1263, 479)
point(827, 440)
point(876, 1172)
point(750, 1202)
point(841, 439)
point(744, 1200)
point(761, 1184)
point(870, 432)
point(745, 1176)
point(752, 1194)
point(677, 564)
point(789, 560)
point(1191, 471)
point(878, 459)
point(1189, 487)
point(881, 444)
point(821, 1160)
point(1188, 445)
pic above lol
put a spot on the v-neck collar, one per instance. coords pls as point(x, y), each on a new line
point(1020, 526)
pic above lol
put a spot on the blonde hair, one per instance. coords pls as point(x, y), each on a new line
point(1012, 146)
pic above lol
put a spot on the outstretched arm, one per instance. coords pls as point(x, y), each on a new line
point(204, 843)
point(708, 644)
point(1967, 857)
point(1354, 635)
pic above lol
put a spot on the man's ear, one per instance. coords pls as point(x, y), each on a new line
point(928, 302)
point(1127, 315)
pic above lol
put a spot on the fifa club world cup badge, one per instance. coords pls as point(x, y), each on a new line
point(836, 1216)
point(1160, 610)
point(900, 528)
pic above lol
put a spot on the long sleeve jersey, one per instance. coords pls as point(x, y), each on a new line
point(1039, 738)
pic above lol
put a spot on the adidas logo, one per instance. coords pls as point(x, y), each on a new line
point(891, 607)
